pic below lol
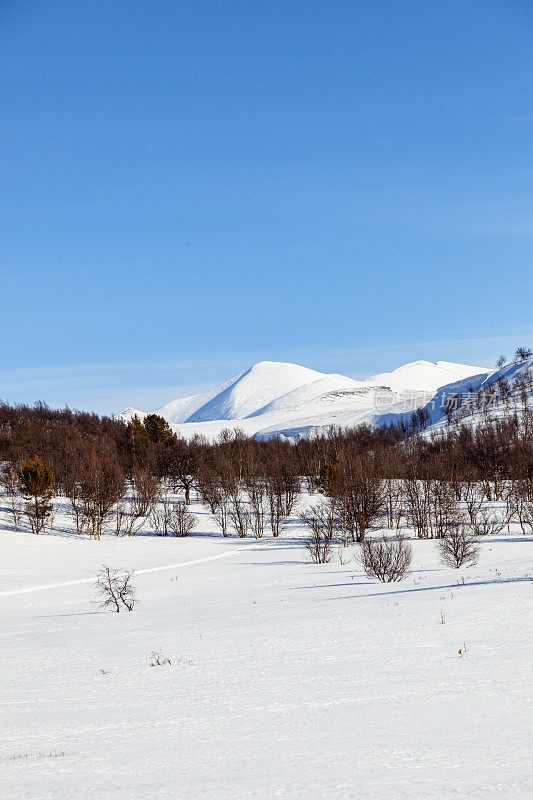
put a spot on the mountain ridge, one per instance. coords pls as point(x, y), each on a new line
point(282, 399)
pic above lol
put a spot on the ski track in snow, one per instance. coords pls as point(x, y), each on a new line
point(28, 589)
point(274, 665)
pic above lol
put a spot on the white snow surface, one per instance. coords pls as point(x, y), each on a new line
point(242, 395)
point(467, 388)
point(423, 376)
point(278, 399)
point(287, 680)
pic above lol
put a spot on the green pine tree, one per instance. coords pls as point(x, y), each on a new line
point(37, 485)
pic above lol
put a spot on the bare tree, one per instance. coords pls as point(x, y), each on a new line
point(458, 546)
point(256, 490)
point(362, 493)
point(276, 507)
point(131, 512)
point(9, 484)
point(182, 522)
point(221, 513)
point(523, 353)
point(500, 361)
point(209, 489)
point(77, 507)
point(388, 560)
point(101, 485)
point(239, 514)
point(115, 589)
point(323, 523)
point(394, 502)
point(183, 466)
point(161, 515)
point(417, 505)
point(520, 506)
point(485, 522)
point(442, 506)
point(473, 502)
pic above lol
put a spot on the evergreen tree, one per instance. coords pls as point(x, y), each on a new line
point(158, 430)
point(36, 485)
point(327, 478)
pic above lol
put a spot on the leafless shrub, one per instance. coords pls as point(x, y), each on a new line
point(485, 522)
point(161, 515)
point(473, 502)
point(256, 491)
point(221, 514)
point(131, 513)
point(388, 560)
point(115, 589)
point(442, 506)
point(209, 489)
point(526, 519)
point(182, 522)
point(323, 524)
point(361, 494)
point(345, 555)
point(9, 486)
point(319, 547)
point(417, 505)
point(520, 506)
point(458, 546)
point(240, 515)
point(276, 507)
point(156, 659)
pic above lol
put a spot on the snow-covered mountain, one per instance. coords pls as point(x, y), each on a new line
point(423, 376)
point(277, 399)
point(488, 396)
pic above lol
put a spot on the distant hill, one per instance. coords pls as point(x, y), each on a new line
point(278, 399)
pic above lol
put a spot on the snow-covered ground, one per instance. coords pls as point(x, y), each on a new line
point(287, 680)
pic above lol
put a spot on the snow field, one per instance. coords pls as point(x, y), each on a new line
point(287, 680)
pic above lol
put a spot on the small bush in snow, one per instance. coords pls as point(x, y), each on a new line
point(458, 546)
point(388, 560)
point(322, 523)
point(156, 659)
point(115, 589)
point(182, 522)
point(486, 523)
point(161, 515)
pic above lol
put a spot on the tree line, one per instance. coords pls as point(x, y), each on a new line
point(116, 476)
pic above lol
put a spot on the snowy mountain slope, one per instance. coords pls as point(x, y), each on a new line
point(279, 399)
point(325, 389)
point(478, 397)
point(183, 408)
point(423, 376)
point(127, 414)
point(240, 396)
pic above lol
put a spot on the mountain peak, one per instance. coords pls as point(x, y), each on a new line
point(277, 397)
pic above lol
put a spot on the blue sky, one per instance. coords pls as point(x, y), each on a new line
point(188, 188)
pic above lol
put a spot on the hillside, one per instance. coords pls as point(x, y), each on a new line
point(486, 397)
point(279, 399)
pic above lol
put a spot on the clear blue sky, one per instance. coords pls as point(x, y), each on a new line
point(190, 187)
